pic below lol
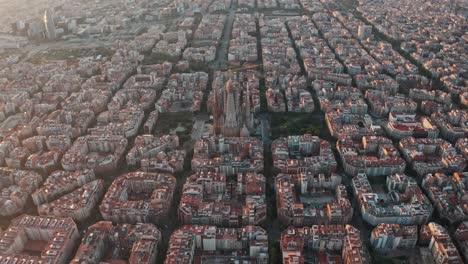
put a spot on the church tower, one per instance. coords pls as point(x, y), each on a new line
point(217, 112)
point(247, 109)
point(231, 112)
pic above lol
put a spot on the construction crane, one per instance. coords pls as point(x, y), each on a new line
point(246, 67)
point(230, 71)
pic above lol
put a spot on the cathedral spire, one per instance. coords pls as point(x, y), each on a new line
point(247, 110)
point(231, 111)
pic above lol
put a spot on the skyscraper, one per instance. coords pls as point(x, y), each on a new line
point(49, 25)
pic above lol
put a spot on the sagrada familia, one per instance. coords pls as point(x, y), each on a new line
point(231, 108)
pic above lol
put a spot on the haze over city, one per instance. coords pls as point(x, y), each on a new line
point(233, 131)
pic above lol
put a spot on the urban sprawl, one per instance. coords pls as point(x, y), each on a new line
point(233, 131)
